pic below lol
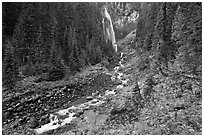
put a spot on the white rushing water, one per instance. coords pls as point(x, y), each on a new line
point(125, 81)
point(65, 111)
point(108, 28)
point(109, 92)
point(56, 121)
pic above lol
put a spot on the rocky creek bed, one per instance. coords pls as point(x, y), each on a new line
point(38, 103)
point(35, 107)
point(122, 100)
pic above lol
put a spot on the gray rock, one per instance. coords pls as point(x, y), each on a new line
point(68, 133)
point(101, 119)
point(79, 113)
point(18, 104)
point(20, 108)
point(6, 114)
point(15, 123)
point(33, 123)
point(9, 109)
point(45, 116)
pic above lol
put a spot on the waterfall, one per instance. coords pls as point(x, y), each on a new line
point(108, 28)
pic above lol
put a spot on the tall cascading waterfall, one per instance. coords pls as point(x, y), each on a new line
point(108, 28)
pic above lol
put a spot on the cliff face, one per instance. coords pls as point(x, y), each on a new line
point(124, 16)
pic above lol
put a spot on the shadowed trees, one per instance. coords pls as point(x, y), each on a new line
point(63, 36)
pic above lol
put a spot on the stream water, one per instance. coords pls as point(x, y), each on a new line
point(65, 116)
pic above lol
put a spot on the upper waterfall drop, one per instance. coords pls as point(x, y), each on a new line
point(108, 28)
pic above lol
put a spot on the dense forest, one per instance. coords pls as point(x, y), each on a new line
point(69, 36)
point(61, 47)
point(61, 37)
point(172, 33)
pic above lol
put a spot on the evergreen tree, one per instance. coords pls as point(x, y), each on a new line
point(63, 35)
point(187, 33)
point(10, 70)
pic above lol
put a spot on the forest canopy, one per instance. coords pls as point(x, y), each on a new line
point(64, 36)
point(42, 37)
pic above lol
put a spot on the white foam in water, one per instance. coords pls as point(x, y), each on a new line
point(108, 73)
point(121, 55)
point(53, 117)
point(119, 87)
point(94, 102)
point(113, 78)
point(65, 111)
point(120, 62)
point(98, 103)
point(56, 123)
point(82, 106)
point(109, 92)
point(119, 75)
point(116, 69)
point(121, 65)
point(124, 82)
